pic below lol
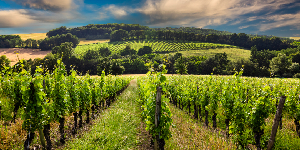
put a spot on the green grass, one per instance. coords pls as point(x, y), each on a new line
point(187, 133)
point(232, 53)
point(116, 128)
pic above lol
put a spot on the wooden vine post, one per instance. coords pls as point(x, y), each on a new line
point(0, 113)
point(157, 143)
point(276, 122)
point(195, 106)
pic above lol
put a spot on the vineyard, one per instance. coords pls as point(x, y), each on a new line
point(43, 99)
point(240, 107)
point(244, 108)
point(260, 113)
point(157, 46)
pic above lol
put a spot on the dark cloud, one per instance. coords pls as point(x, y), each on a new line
point(51, 5)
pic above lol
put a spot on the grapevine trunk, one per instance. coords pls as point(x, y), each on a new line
point(61, 130)
point(46, 132)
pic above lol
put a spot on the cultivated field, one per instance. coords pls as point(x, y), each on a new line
point(14, 54)
point(232, 53)
point(295, 38)
point(38, 36)
point(83, 41)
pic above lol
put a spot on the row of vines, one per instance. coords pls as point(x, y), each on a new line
point(152, 88)
point(157, 46)
point(45, 98)
point(240, 106)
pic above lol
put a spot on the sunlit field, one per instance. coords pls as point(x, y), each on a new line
point(38, 36)
point(295, 38)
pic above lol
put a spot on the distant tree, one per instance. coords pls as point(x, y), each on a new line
point(127, 51)
point(181, 65)
point(215, 65)
point(280, 64)
point(261, 57)
point(222, 62)
point(119, 35)
point(249, 68)
point(294, 68)
point(104, 51)
point(57, 31)
point(91, 54)
point(144, 50)
point(194, 63)
point(65, 51)
point(104, 64)
point(116, 67)
point(49, 43)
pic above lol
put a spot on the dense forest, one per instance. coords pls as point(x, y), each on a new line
point(270, 57)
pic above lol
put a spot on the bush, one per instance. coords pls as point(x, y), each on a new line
point(297, 75)
point(49, 43)
point(127, 51)
point(144, 50)
point(4, 62)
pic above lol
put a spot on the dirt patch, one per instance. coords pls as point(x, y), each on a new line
point(36, 36)
point(15, 54)
point(295, 38)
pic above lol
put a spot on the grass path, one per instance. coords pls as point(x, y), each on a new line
point(188, 134)
point(117, 127)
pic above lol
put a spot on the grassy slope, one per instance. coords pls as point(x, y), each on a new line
point(116, 128)
point(187, 49)
point(232, 53)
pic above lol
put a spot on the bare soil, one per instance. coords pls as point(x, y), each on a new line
point(15, 54)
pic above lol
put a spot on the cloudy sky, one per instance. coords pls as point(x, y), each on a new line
point(265, 17)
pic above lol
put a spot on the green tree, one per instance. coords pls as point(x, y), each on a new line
point(116, 67)
point(104, 64)
point(181, 65)
point(104, 52)
point(144, 50)
point(119, 35)
point(65, 50)
point(127, 51)
point(280, 65)
point(4, 62)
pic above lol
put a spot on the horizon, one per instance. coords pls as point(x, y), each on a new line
point(262, 17)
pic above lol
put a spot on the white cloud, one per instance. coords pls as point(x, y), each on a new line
point(46, 11)
point(15, 18)
point(117, 11)
point(276, 21)
point(243, 27)
point(213, 12)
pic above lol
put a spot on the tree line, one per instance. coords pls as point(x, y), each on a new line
point(95, 31)
point(124, 32)
point(13, 41)
point(240, 39)
point(284, 63)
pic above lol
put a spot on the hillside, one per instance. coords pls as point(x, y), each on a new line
point(165, 47)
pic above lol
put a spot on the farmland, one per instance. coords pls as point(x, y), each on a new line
point(39, 36)
point(165, 47)
point(295, 38)
point(96, 93)
point(16, 54)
